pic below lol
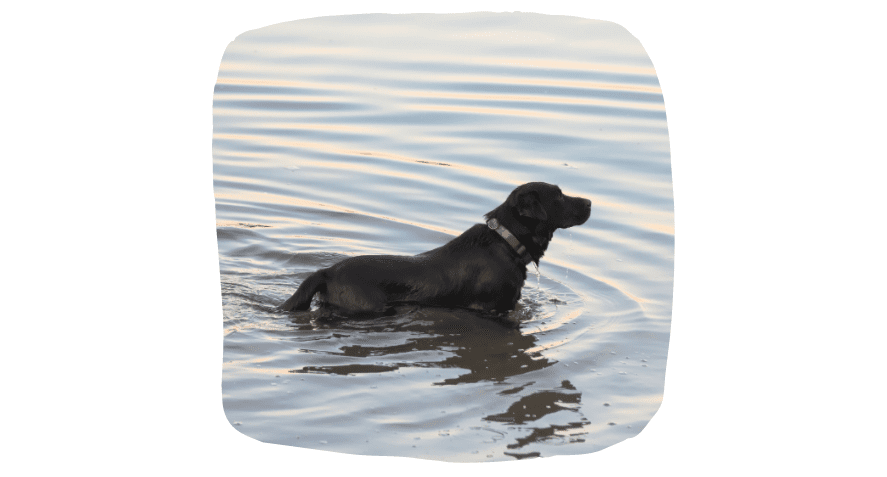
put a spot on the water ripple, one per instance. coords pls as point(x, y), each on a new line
point(391, 139)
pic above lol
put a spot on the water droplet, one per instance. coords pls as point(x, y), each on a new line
point(323, 442)
point(238, 423)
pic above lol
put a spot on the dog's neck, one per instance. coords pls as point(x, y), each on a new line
point(512, 240)
point(531, 234)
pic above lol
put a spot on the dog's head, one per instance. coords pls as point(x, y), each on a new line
point(535, 210)
point(547, 206)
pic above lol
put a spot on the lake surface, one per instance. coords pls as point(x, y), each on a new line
point(392, 134)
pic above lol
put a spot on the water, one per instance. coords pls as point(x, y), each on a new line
point(372, 134)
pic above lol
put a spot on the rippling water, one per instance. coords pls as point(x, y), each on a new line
point(371, 134)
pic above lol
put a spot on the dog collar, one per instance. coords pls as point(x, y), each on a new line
point(511, 239)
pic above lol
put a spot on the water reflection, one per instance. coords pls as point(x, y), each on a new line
point(394, 138)
point(566, 433)
point(488, 349)
point(484, 349)
point(538, 405)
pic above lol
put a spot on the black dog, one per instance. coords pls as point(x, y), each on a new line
point(482, 269)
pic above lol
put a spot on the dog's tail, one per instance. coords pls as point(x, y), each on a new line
point(301, 299)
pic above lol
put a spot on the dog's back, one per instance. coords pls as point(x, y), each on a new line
point(467, 272)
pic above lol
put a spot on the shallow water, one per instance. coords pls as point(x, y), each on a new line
point(372, 134)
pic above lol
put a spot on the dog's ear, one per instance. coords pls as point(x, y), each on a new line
point(528, 205)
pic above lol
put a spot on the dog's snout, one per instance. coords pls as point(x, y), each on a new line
point(580, 211)
point(583, 211)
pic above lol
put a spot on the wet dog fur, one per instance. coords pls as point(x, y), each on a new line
point(477, 270)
